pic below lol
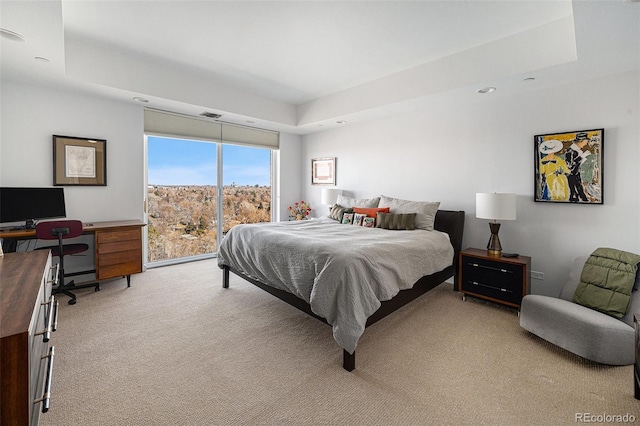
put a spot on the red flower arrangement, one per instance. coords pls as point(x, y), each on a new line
point(299, 211)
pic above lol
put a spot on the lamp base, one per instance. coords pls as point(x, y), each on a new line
point(494, 248)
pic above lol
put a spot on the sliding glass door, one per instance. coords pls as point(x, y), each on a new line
point(183, 201)
point(246, 195)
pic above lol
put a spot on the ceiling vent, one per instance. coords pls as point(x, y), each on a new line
point(210, 115)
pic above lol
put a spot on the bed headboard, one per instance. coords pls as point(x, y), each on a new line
point(451, 222)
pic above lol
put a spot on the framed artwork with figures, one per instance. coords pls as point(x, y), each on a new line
point(569, 167)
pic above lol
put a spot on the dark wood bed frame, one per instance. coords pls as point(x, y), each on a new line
point(451, 222)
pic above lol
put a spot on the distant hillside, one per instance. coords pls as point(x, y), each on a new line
point(182, 219)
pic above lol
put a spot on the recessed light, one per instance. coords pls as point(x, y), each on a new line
point(341, 122)
point(41, 59)
point(139, 99)
point(486, 90)
point(11, 35)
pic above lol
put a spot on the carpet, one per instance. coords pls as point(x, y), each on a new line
point(178, 349)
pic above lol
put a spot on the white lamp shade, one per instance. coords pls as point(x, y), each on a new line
point(330, 195)
point(496, 206)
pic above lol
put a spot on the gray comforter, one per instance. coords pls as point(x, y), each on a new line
point(342, 271)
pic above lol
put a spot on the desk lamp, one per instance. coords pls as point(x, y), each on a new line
point(495, 206)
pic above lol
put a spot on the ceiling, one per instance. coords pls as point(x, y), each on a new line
point(302, 66)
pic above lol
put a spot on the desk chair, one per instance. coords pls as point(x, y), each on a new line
point(60, 230)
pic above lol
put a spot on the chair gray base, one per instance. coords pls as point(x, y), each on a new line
point(585, 332)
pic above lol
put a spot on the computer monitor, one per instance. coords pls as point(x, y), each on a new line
point(29, 205)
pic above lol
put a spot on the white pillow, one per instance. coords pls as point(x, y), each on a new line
point(357, 202)
point(426, 210)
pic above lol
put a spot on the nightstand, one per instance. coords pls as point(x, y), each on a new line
point(495, 278)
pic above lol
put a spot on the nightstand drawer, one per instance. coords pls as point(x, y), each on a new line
point(493, 290)
point(492, 273)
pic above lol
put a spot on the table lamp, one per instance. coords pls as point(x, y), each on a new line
point(495, 207)
point(330, 196)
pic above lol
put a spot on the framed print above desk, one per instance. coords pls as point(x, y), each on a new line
point(79, 161)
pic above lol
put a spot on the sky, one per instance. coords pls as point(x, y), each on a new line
point(184, 162)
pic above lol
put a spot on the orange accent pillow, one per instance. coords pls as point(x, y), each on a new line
point(371, 211)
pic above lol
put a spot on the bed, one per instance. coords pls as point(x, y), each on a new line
point(346, 276)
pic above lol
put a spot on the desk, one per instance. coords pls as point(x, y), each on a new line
point(117, 244)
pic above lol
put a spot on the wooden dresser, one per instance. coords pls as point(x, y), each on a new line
point(28, 314)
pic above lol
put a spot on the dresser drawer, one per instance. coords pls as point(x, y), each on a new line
point(120, 269)
point(40, 333)
point(37, 368)
point(119, 253)
point(44, 320)
point(118, 236)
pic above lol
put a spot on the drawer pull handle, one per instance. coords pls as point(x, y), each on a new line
point(491, 287)
point(46, 396)
point(53, 312)
point(55, 278)
point(491, 268)
point(55, 316)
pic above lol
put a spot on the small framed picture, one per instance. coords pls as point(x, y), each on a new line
point(358, 218)
point(347, 218)
point(79, 161)
point(569, 167)
point(323, 171)
point(369, 222)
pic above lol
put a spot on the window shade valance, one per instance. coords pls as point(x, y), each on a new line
point(184, 126)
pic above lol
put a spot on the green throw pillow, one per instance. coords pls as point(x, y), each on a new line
point(398, 222)
point(337, 211)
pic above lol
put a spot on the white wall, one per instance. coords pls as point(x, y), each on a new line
point(31, 115)
point(449, 152)
point(290, 171)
